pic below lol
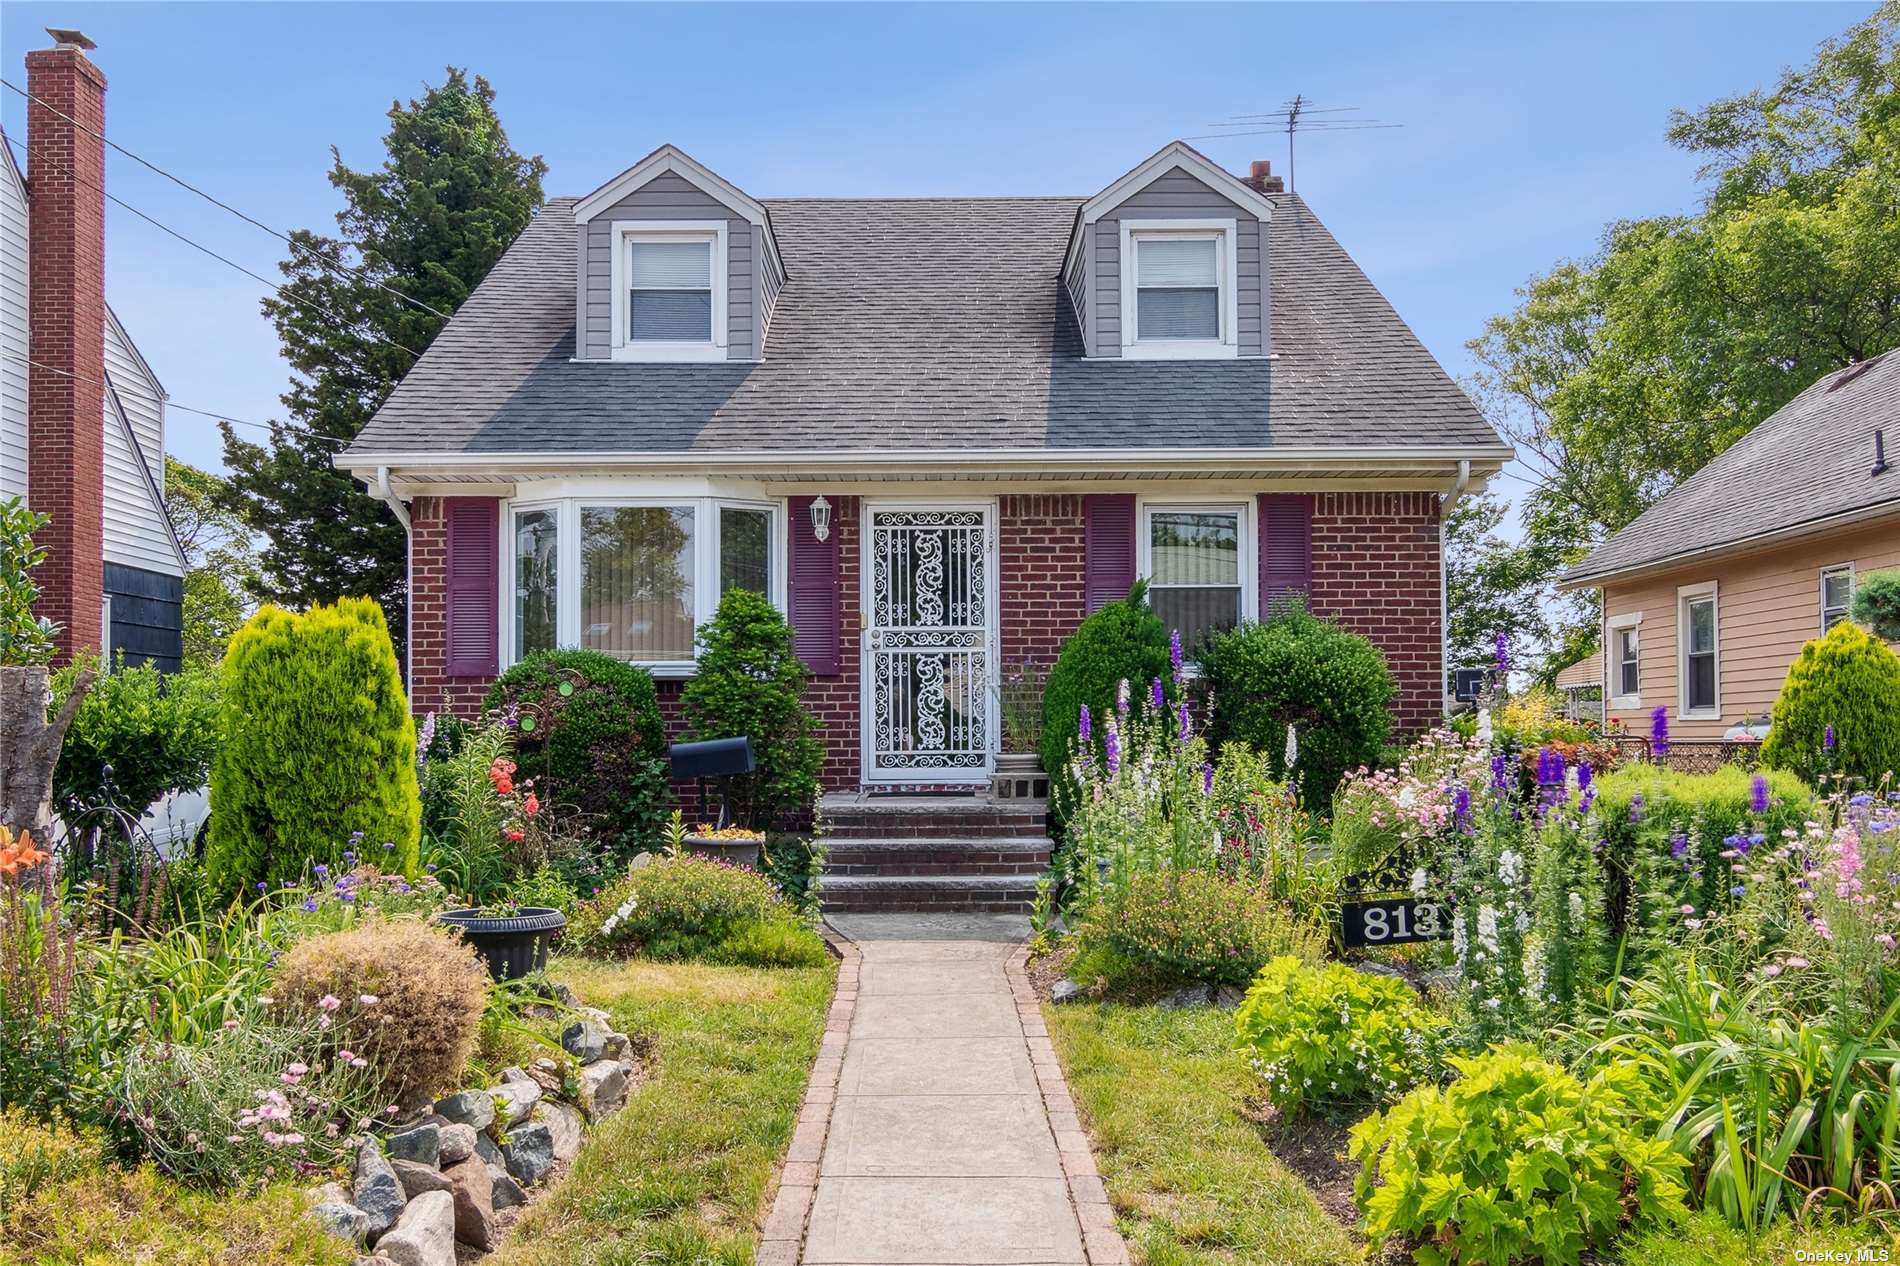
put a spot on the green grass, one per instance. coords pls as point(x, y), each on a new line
point(683, 1173)
point(1188, 1175)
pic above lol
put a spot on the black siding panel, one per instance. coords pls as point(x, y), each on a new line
point(148, 616)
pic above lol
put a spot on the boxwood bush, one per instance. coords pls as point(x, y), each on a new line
point(1124, 641)
point(1849, 682)
point(1296, 669)
point(695, 907)
point(1167, 927)
point(590, 736)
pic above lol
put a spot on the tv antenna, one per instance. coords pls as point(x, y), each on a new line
point(1296, 115)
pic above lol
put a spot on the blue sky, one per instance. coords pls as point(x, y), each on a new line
point(1527, 127)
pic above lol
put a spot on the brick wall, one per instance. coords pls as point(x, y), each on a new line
point(1040, 541)
point(1376, 568)
point(834, 700)
point(66, 321)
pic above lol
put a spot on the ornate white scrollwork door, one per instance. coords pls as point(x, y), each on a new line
point(929, 630)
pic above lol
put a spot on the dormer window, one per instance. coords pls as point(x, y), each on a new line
point(1179, 289)
point(670, 290)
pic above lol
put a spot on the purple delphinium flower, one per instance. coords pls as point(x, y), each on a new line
point(1111, 741)
point(1461, 807)
point(1083, 722)
point(1503, 660)
point(1758, 794)
point(1827, 738)
point(1184, 729)
point(1157, 697)
point(1207, 778)
point(1636, 807)
point(1584, 775)
point(1678, 845)
point(1550, 767)
point(1174, 654)
point(1659, 731)
point(1500, 773)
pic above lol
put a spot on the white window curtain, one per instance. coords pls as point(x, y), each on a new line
point(637, 567)
point(1194, 557)
point(1177, 283)
point(669, 291)
point(537, 538)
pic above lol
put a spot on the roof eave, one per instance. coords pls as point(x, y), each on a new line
point(1579, 579)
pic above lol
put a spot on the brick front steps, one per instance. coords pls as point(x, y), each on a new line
point(971, 854)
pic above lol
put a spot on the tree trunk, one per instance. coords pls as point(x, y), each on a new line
point(29, 747)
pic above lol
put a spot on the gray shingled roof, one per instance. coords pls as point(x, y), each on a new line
point(928, 323)
point(1810, 462)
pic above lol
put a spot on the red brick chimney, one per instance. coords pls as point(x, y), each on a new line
point(65, 403)
point(1261, 178)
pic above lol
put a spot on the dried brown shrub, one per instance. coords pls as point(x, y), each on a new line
point(407, 997)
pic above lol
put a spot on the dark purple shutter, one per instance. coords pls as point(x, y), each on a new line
point(1286, 547)
point(1108, 547)
point(473, 528)
point(813, 590)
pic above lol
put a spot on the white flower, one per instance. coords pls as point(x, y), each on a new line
point(1576, 907)
point(1510, 868)
point(1484, 727)
point(1292, 745)
point(1420, 881)
point(1488, 928)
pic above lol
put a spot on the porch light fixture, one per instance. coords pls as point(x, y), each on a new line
point(821, 518)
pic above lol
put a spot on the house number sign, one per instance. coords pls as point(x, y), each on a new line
point(1399, 918)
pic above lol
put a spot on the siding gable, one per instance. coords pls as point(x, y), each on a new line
point(138, 531)
point(13, 330)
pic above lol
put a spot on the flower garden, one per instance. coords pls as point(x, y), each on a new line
point(1495, 997)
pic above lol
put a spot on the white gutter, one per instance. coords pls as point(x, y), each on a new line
point(1458, 486)
point(387, 495)
point(1845, 518)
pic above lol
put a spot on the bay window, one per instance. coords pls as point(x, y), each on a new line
point(634, 578)
point(1197, 559)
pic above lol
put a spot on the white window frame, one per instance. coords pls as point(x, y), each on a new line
point(1249, 535)
point(567, 553)
point(1847, 612)
point(706, 231)
point(1226, 235)
point(1629, 622)
point(1685, 595)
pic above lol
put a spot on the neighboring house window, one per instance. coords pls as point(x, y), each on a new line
point(1197, 559)
point(670, 288)
point(1179, 288)
point(1837, 595)
point(1625, 663)
point(1697, 637)
point(635, 579)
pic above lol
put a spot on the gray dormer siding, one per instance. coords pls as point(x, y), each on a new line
point(1173, 195)
point(669, 196)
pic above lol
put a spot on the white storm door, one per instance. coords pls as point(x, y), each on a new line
point(929, 638)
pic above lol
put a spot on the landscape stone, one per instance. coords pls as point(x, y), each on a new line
point(1377, 969)
point(417, 1177)
point(603, 1086)
point(458, 1143)
point(423, 1144)
point(1067, 991)
point(1229, 996)
point(505, 1192)
point(342, 1219)
point(425, 1236)
point(585, 1040)
point(529, 1153)
point(514, 1100)
point(468, 1107)
point(474, 1194)
point(564, 1124)
point(378, 1192)
point(546, 1074)
point(490, 1154)
point(617, 1046)
point(1189, 996)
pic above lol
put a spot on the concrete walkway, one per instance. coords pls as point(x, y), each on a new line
point(951, 1139)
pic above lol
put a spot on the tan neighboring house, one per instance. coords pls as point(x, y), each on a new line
point(1709, 595)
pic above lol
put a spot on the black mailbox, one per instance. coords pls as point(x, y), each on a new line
point(713, 758)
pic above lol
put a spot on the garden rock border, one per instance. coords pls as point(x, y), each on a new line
point(438, 1182)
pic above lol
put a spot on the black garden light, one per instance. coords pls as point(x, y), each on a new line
point(713, 758)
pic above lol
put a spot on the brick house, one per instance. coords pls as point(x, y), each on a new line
point(937, 431)
point(82, 416)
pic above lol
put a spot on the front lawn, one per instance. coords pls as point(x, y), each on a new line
point(684, 1173)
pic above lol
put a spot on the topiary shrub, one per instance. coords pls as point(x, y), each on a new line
point(158, 732)
point(1515, 1161)
point(1296, 669)
point(318, 747)
point(749, 682)
point(1165, 927)
point(1877, 603)
point(1839, 709)
point(695, 907)
point(404, 996)
point(1332, 1036)
point(590, 737)
point(1124, 641)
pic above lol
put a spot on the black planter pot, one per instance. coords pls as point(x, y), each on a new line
point(512, 945)
point(738, 852)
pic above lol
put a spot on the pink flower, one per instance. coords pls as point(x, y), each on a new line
point(368, 999)
point(230, 1024)
point(329, 1002)
point(298, 1069)
point(345, 1056)
point(1797, 963)
point(1884, 941)
point(1687, 908)
point(1772, 970)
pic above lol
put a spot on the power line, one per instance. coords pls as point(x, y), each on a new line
point(182, 183)
point(272, 427)
point(282, 291)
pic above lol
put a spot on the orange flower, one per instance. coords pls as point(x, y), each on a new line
point(15, 857)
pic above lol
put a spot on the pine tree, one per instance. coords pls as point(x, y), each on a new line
point(424, 227)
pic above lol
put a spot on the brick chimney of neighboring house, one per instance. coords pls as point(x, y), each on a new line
point(65, 409)
point(1261, 179)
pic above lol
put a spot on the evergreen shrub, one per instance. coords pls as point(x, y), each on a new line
point(750, 682)
point(1124, 641)
point(1877, 603)
point(318, 754)
point(590, 737)
point(695, 907)
point(1295, 669)
point(1848, 683)
point(158, 732)
point(1167, 927)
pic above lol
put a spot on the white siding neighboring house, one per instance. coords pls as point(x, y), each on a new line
point(144, 563)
